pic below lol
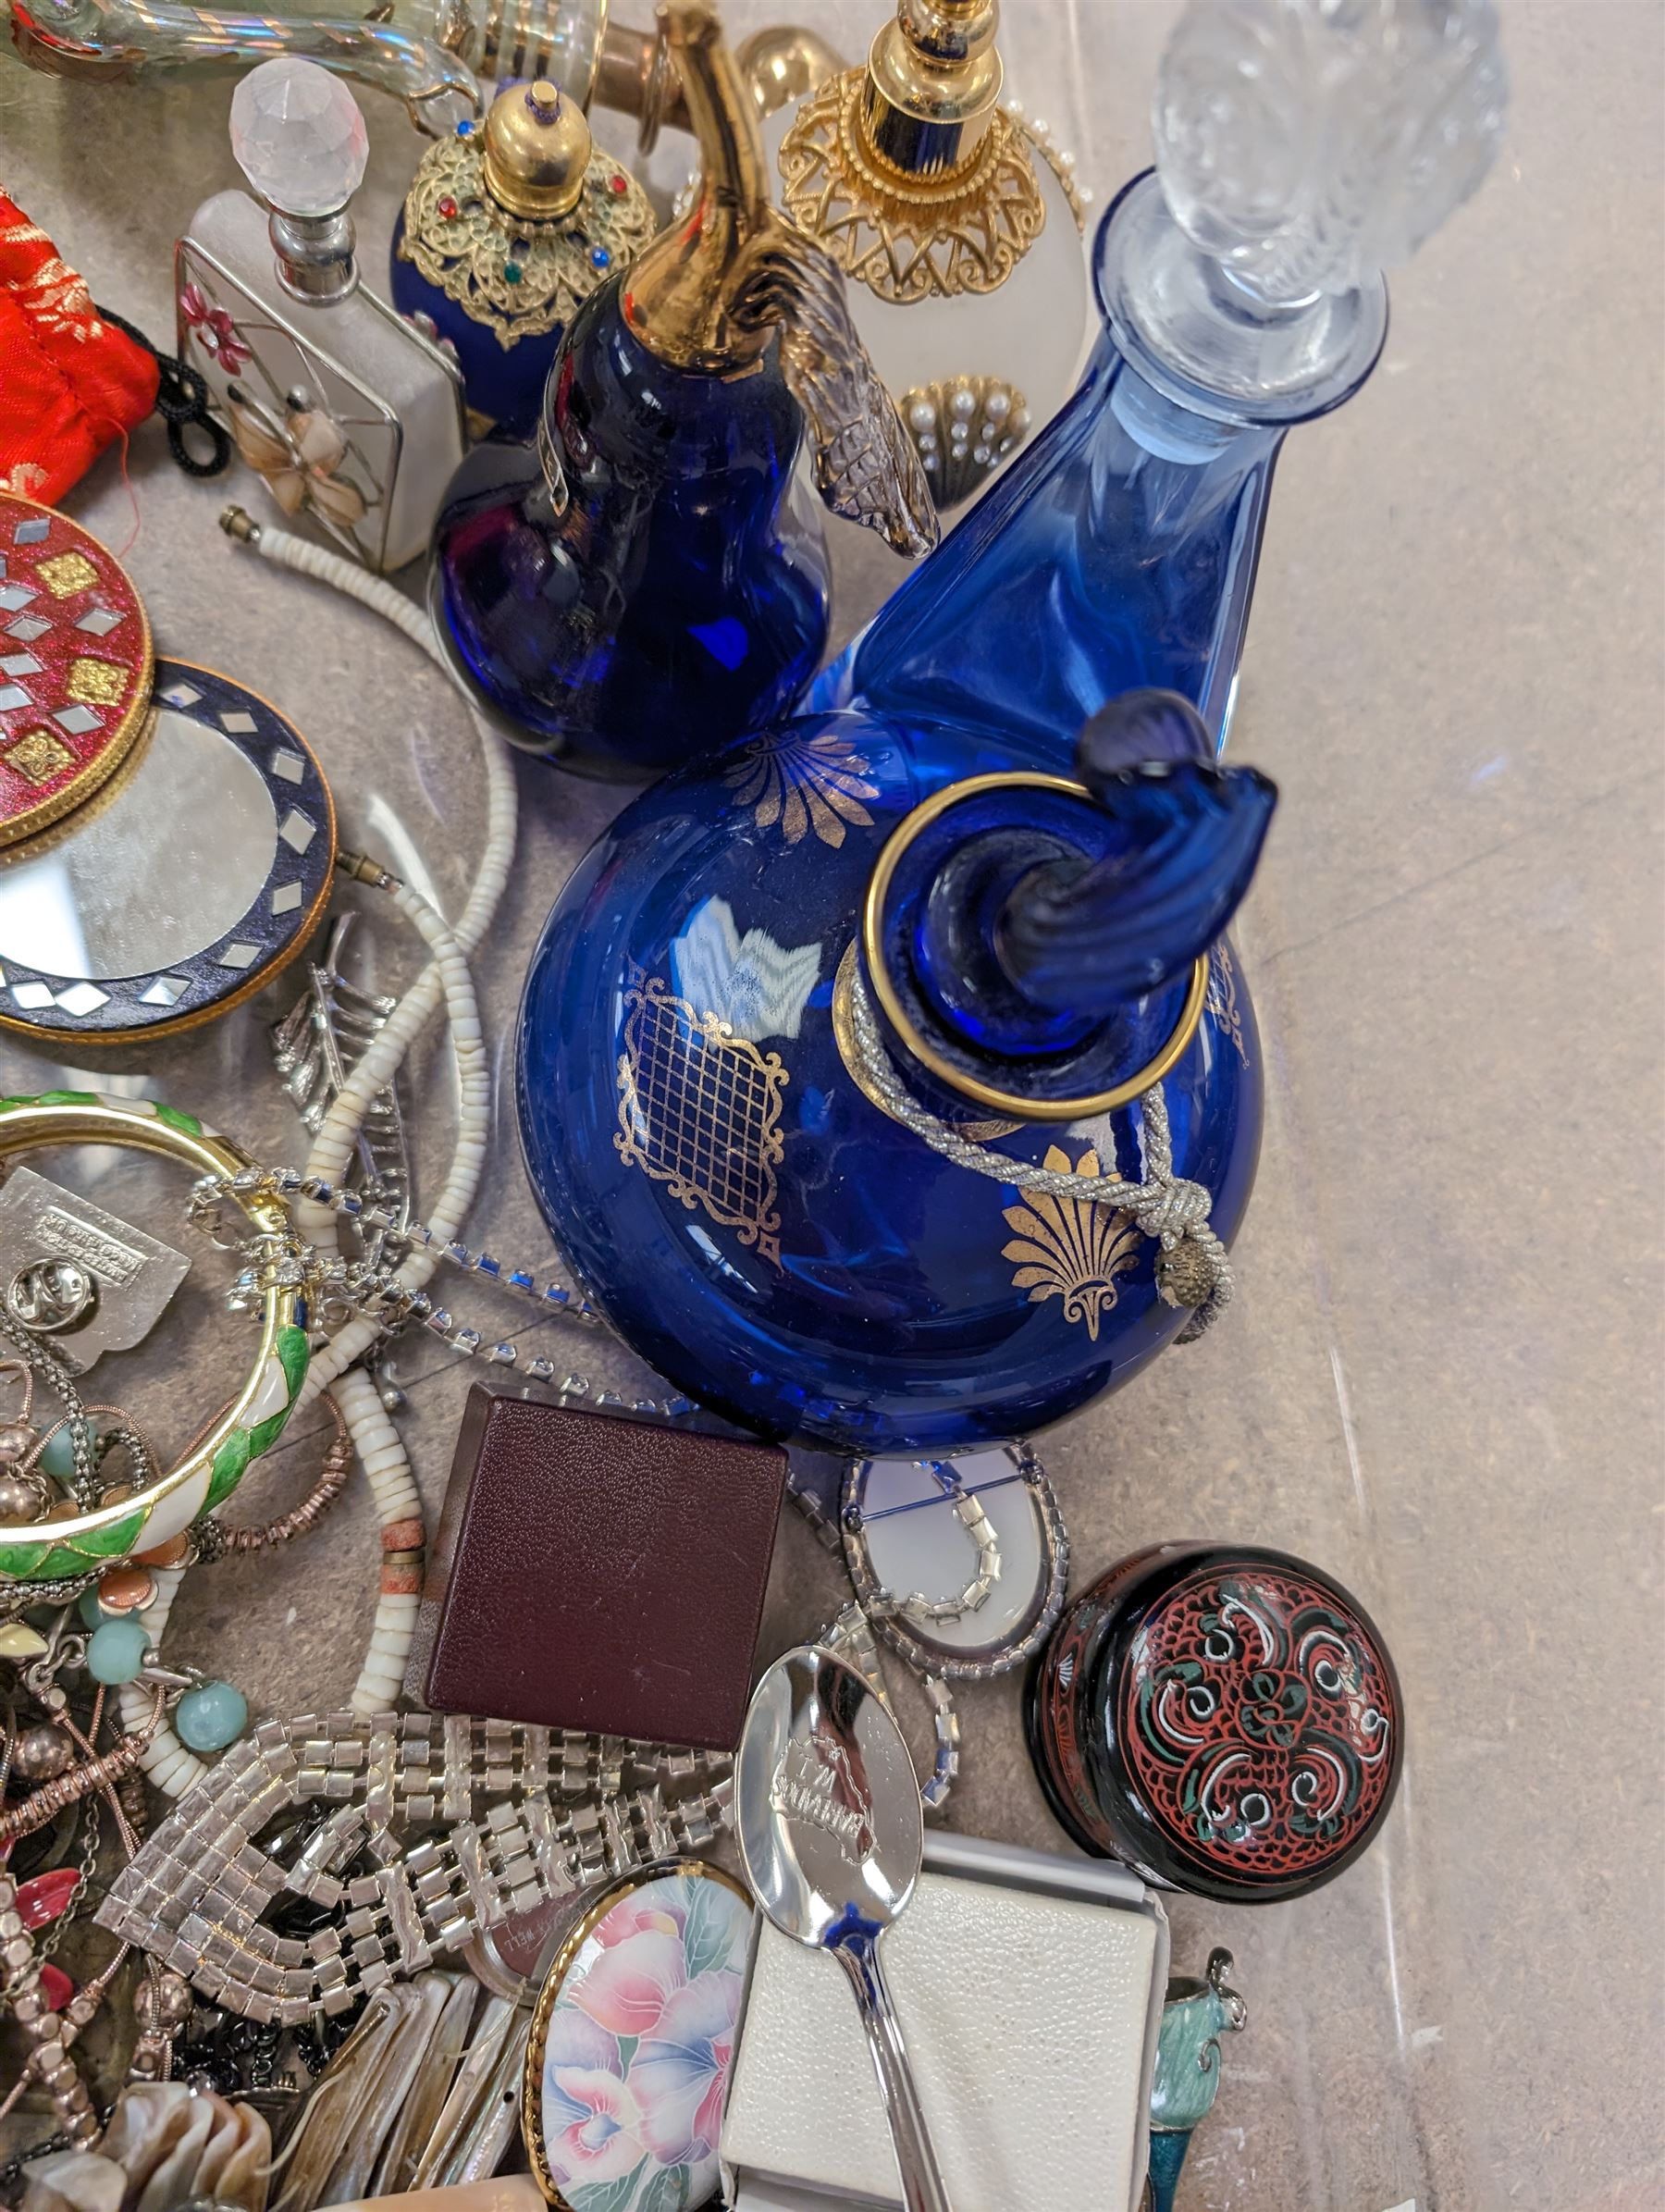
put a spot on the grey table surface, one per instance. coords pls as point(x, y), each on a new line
point(1442, 1378)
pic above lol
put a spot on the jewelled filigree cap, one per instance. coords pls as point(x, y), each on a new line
point(518, 222)
point(537, 150)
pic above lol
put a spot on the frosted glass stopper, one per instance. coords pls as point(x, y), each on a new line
point(1306, 144)
point(298, 136)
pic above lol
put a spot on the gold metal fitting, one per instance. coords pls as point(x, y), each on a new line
point(782, 63)
point(1013, 1105)
point(906, 171)
point(635, 74)
point(681, 295)
point(361, 869)
point(933, 81)
point(537, 150)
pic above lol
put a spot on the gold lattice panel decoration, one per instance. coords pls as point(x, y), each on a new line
point(908, 238)
point(699, 1110)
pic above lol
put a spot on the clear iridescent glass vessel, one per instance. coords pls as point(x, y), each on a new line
point(1299, 148)
point(432, 54)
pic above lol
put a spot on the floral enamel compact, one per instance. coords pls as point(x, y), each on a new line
point(632, 2041)
point(167, 837)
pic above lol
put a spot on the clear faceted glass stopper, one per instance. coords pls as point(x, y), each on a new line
point(1307, 144)
point(298, 136)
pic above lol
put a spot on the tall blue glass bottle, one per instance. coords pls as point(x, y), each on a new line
point(1240, 290)
point(646, 578)
point(900, 903)
point(1142, 509)
point(716, 1152)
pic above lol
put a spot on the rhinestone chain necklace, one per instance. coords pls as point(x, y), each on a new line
point(343, 1286)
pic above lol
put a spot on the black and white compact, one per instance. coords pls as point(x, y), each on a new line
point(182, 885)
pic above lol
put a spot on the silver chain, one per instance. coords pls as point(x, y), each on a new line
point(344, 1287)
point(41, 1357)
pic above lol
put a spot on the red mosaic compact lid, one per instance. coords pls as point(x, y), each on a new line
point(1227, 1719)
point(75, 666)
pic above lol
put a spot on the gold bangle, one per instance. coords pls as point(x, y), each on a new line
point(1008, 1104)
point(251, 1425)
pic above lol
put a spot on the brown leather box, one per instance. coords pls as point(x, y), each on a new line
point(597, 1572)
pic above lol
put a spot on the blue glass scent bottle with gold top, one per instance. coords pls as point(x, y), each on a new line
point(646, 578)
point(1239, 288)
point(777, 971)
point(507, 228)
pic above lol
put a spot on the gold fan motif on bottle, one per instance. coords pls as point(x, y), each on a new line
point(804, 783)
point(1069, 1248)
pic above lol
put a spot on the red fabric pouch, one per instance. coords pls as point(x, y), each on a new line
point(69, 382)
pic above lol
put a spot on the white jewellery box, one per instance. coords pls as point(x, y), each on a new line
point(1029, 1990)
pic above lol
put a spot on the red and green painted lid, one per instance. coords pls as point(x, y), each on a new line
point(1225, 1718)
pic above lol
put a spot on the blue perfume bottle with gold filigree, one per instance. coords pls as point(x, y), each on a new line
point(1299, 149)
point(507, 228)
point(783, 990)
point(646, 578)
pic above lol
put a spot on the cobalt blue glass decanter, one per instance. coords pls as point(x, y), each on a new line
point(775, 970)
point(645, 579)
point(1299, 149)
point(506, 230)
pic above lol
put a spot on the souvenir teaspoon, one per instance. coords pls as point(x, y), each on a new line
point(831, 1831)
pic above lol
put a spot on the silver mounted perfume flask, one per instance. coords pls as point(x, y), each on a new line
point(350, 416)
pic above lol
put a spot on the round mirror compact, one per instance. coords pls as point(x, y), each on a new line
point(183, 886)
point(167, 837)
point(960, 1565)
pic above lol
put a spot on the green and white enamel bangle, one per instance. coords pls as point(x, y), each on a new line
point(71, 1544)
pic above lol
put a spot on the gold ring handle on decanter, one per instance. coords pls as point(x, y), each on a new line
point(83, 1542)
point(1011, 1105)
